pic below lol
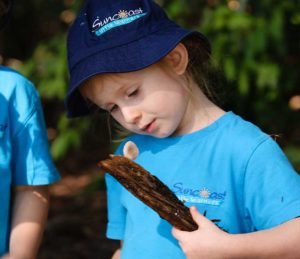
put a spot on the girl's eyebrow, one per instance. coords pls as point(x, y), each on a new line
point(121, 88)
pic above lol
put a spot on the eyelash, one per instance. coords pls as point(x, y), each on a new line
point(133, 93)
point(113, 108)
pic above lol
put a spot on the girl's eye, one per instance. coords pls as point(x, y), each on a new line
point(113, 108)
point(133, 93)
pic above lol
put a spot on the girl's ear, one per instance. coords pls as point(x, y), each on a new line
point(178, 59)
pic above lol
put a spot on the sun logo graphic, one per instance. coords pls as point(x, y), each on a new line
point(204, 193)
point(122, 14)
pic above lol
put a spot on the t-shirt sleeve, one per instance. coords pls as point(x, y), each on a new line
point(31, 160)
point(116, 211)
point(272, 187)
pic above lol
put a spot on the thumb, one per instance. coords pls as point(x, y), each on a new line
point(197, 217)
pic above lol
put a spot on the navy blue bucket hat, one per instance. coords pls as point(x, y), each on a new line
point(114, 36)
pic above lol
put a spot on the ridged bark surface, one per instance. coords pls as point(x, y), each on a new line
point(150, 190)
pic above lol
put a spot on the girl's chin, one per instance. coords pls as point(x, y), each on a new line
point(162, 134)
point(155, 135)
point(158, 133)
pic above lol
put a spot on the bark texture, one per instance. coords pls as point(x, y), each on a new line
point(150, 190)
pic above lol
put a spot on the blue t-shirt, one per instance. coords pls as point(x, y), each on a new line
point(235, 175)
point(24, 154)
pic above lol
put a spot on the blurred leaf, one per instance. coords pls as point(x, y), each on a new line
point(267, 74)
point(229, 68)
point(48, 68)
point(65, 141)
point(295, 19)
point(239, 21)
point(293, 153)
point(244, 82)
point(276, 25)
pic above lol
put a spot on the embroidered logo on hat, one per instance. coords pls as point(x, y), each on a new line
point(118, 19)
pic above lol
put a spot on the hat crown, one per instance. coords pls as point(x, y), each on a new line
point(103, 24)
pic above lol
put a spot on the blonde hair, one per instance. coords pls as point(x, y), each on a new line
point(202, 69)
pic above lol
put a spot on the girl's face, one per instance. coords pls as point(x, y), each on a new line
point(152, 101)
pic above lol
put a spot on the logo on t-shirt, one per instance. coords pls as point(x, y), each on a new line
point(201, 195)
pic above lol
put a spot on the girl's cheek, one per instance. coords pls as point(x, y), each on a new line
point(118, 118)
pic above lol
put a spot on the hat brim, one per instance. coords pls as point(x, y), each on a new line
point(130, 57)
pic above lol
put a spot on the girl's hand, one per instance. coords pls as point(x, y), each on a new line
point(208, 241)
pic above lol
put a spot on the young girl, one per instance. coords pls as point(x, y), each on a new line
point(129, 59)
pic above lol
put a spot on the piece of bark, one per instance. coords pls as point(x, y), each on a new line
point(150, 190)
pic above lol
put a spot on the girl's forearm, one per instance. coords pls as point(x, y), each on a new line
point(29, 215)
point(279, 242)
point(117, 253)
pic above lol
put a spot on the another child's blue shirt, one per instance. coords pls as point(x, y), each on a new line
point(24, 154)
point(231, 171)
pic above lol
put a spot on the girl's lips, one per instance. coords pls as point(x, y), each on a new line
point(149, 128)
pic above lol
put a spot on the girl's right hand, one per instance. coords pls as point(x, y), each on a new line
point(117, 254)
point(208, 241)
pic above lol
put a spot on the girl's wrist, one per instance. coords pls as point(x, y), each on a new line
point(238, 246)
point(231, 246)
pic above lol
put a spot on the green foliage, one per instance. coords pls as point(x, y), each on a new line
point(48, 68)
point(293, 153)
point(255, 42)
point(69, 136)
point(255, 45)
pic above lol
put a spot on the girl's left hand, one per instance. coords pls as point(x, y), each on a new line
point(208, 241)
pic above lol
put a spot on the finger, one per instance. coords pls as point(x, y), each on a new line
point(177, 233)
point(199, 218)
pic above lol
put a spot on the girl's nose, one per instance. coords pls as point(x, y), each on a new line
point(131, 114)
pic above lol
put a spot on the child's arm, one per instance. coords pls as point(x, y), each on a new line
point(29, 215)
point(211, 242)
point(117, 253)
